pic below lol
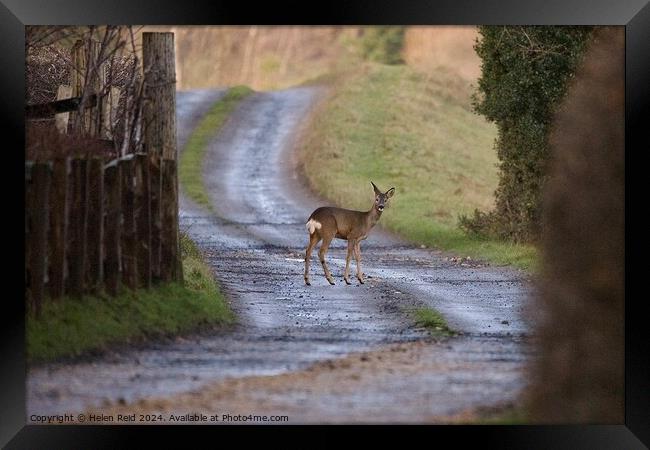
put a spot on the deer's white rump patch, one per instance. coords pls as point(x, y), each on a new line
point(313, 225)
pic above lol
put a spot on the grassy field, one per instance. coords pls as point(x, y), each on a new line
point(400, 128)
point(73, 327)
point(191, 160)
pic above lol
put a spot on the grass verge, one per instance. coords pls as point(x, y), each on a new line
point(432, 320)
point(418, 133)
point(72, 327)
point(191, 159)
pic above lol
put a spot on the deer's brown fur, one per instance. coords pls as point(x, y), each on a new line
point(327, 223)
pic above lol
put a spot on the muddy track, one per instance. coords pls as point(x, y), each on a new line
point(255, 243)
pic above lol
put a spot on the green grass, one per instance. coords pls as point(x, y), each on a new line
point(432, 320)
point(73, 327)
point(191, 160)
point(417, 133)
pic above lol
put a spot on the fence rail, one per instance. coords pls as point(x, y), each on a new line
point(45, 110)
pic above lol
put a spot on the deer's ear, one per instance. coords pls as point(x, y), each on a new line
point(377, 191)
point(390, 192)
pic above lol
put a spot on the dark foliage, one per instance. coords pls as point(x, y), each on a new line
point(525, 70)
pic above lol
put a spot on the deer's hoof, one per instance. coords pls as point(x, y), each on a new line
point(361, 281)
point(347, 281)
point(331, 281)
point(307, 282)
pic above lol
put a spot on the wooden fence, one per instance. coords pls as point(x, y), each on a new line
point(93, 224)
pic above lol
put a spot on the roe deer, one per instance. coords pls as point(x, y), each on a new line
point(327, 222)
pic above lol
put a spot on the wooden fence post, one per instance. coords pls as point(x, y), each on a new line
point(41, 177)
point(168, 254)
point(61, 120)
point(58, 227)
point(158, 58)
point(84, 59)
point(78, 216)
point(143, 211)
point(113, 180)
point(129, 252)
point(29, 229)
point(95, 238)
point(77, 81)
point(155, 174)
point(160, 83)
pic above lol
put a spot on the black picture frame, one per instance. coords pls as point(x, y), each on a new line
point(15, 14)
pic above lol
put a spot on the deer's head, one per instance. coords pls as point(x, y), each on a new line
point(381, 198)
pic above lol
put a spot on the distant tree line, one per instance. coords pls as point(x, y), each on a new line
point(525, 73)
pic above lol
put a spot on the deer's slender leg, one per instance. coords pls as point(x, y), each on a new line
point(313, 240)
point(347, 260)
point(321, 254)
point(357, 255)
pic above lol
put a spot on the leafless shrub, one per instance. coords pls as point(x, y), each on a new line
point(47, 68)
point(49, 64)
point(43, 142)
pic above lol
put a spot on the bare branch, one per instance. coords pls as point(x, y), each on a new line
point(113, 62)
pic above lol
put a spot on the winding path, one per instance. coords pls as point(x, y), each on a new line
point(320, 353)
